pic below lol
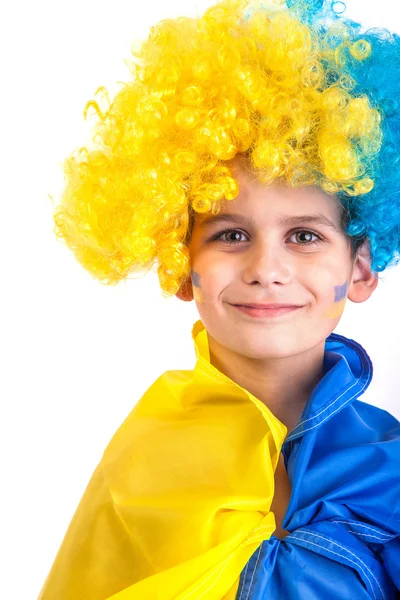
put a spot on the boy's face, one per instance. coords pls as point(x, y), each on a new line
point(273, 261)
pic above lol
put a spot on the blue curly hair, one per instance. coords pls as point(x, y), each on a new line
point(370, 61)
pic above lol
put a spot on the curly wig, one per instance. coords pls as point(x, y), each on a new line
point(303, 93)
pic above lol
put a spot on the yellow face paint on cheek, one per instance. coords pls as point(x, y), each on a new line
point(336, 310)
point(197, 293)
point(339, 303)
point(198, 296)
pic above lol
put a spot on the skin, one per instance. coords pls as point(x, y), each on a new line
point(279, 360)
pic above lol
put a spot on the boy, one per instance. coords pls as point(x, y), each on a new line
point(248, 159)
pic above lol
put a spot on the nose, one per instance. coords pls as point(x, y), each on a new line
point(265, 263)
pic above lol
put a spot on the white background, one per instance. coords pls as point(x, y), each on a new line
point(77, 355)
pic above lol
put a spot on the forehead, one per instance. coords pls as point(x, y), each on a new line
point(275, 204)
point(278, 193)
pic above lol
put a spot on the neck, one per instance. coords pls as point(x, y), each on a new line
point(282, 384)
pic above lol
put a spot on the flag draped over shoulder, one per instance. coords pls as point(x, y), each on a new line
point(181, 497)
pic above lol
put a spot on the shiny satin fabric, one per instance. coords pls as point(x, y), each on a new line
point(179, 506)
point(343, 462)
point(181, 497)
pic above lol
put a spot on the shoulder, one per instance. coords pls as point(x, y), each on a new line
point(358, 459)
point(156, 408)
point(378, 421)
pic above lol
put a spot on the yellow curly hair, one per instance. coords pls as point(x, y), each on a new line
point(203, 91)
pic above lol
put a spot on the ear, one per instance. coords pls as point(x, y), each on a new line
point(363, 281)
point(185, 292)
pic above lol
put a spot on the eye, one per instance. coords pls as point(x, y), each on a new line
point(238, 233)
point(308, 233)
point(217, 236)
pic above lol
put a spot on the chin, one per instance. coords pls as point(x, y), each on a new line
point(266, 349)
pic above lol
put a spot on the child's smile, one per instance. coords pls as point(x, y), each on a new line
point(274, 245)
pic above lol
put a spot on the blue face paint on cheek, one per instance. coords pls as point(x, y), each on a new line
point(339, 301)
point(340, 292)
point(197, 295)
point(195, 278)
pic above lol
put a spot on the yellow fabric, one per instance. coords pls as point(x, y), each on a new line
point(181, 497)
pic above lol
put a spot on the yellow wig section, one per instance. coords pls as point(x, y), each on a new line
point(204, 90)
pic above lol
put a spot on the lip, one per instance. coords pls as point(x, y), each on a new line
point(272, 305)
point(260, 313)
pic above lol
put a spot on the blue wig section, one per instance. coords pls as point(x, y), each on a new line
point(311, 10)
point(375, 215)
point(378, 212)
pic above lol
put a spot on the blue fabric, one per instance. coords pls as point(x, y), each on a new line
point(343, 462)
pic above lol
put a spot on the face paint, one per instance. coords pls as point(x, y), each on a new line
point(339, 302)
point(197, 294)
point(340, 291)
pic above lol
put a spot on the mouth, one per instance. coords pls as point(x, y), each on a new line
point(262, 312)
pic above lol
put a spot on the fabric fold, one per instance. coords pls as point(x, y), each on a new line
point(181, 498)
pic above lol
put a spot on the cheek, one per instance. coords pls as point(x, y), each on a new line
point(196, 284)
point(339, 293)
point(209, 279)
point(329, 280)
point(206, 285)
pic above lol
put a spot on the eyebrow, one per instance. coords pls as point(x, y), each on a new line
point(317, 219)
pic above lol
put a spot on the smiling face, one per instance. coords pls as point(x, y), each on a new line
point(267, 250)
